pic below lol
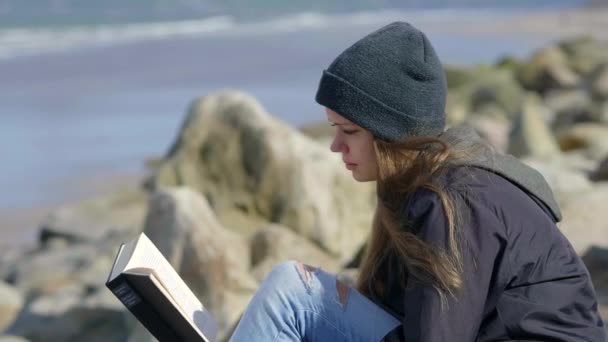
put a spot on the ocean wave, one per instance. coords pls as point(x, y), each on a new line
point(30, 41)
point(34, 41)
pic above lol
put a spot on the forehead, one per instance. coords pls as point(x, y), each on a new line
point(336, 118)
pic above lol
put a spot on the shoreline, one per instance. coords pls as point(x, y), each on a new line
point(547, 23)
point(19, 226)
point(558, 24)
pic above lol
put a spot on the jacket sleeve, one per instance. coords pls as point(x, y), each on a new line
point(482, 245)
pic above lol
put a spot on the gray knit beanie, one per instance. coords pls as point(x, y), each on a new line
point(390, 82)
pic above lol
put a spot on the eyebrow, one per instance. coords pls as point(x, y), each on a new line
point(340, 123)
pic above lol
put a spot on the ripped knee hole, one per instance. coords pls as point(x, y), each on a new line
point(306, 271)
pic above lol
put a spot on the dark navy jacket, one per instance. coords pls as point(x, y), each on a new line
point(522, 278)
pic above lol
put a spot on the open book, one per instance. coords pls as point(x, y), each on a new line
point(146, 283)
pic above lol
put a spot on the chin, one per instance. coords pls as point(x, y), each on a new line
point(363, 178)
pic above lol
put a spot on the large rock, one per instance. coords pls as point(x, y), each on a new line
point(563, 180)
point(588, 137)
point(600, 112)
point(530, 134)
point(319, 131)
point(49, 271)
point(75, 313)
point(11, 303)
point(486, 87)
point(10, 338)
point(457, 106)
point(601, 172)
point(494, 130)
point(584, 53)
point(457, 76)
point(93, 220)
point(547, 69)
point(570, 107)
point(212, 260)
point(9, 260)
point(596, 260)
point(585, 220)
point(599, 82)
point(275, 244)
point(254, 169)
point(497, 87)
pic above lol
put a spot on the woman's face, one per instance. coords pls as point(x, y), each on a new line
point(356, 145)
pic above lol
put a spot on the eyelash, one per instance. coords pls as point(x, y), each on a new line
point(348, 132)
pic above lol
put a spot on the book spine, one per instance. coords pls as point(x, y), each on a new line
point(142, 309)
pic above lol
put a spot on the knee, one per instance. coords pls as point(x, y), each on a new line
point(291, 275)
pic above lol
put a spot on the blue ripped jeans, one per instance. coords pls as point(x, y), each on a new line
point(297, 302)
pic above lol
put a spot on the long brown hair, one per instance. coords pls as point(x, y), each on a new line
point(403, 168)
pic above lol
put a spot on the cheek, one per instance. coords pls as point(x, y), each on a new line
point(365, 152)
point(370, 158)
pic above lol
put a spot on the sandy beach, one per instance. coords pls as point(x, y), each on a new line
point(19, 227)
point(573, 23)
point(556, 24)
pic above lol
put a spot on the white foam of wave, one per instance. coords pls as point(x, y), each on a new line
point(32, 41)
point(28, 41)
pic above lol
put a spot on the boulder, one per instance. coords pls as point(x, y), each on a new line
point(600, 112)
point(212, 260)
point(9, 259)
point(49, 271)
point(319, 131)
point(10, 338)
point(139, 333)
point(598, 82)
point(596, 260)
point(587, 137)
point(11, 303)
point(530, 134)
point(570, 107)
point(584, 53)
point(547, 69)
point(96, 272)
point(255, 170)
point(457, 106)
point(457, 76)
point(95, 219)
point(601, 172)
point(72, 314)
point(508, 63)
point(494, 129)
point(564, 181)
point(585, 220)
point(499, 88)
point(275, 244)
point(485, 87)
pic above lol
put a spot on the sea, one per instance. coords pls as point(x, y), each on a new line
point(82, 103)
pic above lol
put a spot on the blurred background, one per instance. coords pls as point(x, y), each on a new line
point(90, 89)
point(94, 93)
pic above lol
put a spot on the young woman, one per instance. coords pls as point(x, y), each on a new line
point(463, 246)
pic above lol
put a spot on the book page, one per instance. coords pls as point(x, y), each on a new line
point(123, 258)
point(147, 255)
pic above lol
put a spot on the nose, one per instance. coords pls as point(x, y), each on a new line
point(337, 145)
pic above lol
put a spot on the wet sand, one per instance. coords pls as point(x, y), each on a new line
point(19, 227)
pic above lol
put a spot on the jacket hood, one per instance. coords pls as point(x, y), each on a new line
point(505, 165)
